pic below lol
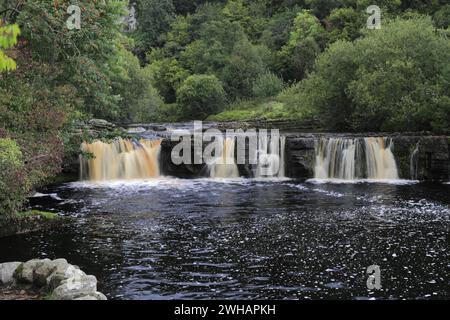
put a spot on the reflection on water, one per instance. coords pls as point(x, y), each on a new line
point(237, 238)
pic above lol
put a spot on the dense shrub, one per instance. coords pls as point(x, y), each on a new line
point(267, 85)
point(396, 78)
point(12, 184)
point(200, 96)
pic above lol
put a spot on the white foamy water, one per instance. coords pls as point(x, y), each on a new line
point(360, 181)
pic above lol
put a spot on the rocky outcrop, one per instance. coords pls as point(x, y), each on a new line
point(168, 168)
point(423, 157)
point(100, 124)
point(7, 271)
point(300, 157)
point(56, 279)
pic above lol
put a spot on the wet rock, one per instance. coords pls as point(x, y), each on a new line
point(300, 157)
point(7, 272)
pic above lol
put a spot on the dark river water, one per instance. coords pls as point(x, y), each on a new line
point(249, 239)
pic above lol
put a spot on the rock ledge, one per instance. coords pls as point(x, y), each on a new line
point(56, 279)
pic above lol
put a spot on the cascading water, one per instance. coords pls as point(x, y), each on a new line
point(271, 157)
point(414, 163)
point(224, 165)
point(343, 158)
point(120, 159)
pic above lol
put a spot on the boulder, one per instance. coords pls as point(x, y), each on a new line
point(42, 274)
point(158, 128)
point(94, 296)
point(136, 130)
point(25, 273)
point(75, 287)
point(61, 274)
point(101, 124)
point(58, 278)
point(7, 272)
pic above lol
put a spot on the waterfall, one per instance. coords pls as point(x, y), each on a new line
point(120, 159)
point(224, 165)
point(414, 163)
point(380, 159)
point(271, 157)
point(343, 158)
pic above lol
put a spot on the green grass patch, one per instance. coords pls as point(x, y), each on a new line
point(253, 110)
point(33, 213)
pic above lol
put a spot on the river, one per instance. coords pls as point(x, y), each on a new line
point(169, 238)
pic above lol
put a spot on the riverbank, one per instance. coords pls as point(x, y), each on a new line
point(28, 221)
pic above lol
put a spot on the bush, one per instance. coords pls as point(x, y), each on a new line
point(267, 85)
point(12, 189)
point(200, 96)
point(396, 78)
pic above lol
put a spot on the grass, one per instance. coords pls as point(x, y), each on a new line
point(33, 213)
point(253, 110)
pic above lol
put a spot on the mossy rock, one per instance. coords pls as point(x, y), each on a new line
point(29, 221)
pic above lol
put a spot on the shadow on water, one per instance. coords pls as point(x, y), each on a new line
point(236, 238)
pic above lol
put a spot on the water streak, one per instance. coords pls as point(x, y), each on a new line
point(224, 166)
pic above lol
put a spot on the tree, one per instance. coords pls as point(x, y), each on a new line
point(200, 96)
point(167, 75)
point(245, 64)
point(344, 24)
point(306, 41)
point(8, 38)
point(154, 18)
point(267, 85)
point(12, 188)
point(442, 17)
point(139, 100)
point(395, 78)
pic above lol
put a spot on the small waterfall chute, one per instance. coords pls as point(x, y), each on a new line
point(224, 164)
point(271, 157)
point(414, 163)
point(120, 159)
point(355, 158)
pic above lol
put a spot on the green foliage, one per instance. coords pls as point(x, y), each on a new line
point(12, 184)
point(65, 76)
point(37, 213)
point(245, 64)
point(167, 75)
point(442, 17)
point(8, 38)
point(344, 24)
point(245, 110)
point(395, 78)
point(155, 17)
point(306, 41)
point(267, 85)
point(201, 96)
point(139, 100)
